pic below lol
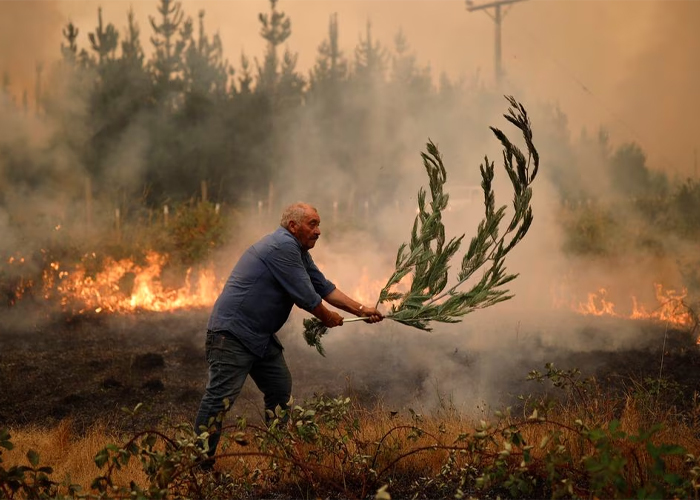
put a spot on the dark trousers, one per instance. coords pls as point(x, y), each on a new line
point(230, 362)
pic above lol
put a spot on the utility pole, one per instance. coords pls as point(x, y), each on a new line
point(497, 18)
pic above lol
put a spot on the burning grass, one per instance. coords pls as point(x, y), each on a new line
point(581, 444)
point(160, 268)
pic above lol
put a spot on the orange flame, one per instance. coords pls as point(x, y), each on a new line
point(123, 286)
point(597, 304)
point(367, 289)
point(670, 307)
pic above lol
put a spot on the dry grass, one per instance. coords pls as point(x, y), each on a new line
point(391, 445)
point(71, 456)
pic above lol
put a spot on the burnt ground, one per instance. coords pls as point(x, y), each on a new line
point(86, 368)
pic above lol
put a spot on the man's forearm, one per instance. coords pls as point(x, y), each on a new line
point(320, 311)
point(338, 299)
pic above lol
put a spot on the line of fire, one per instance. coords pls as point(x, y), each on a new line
point(126, 286)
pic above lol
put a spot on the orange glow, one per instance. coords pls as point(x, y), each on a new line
point(597, 304)
point(367, 289)
point(669, 307)
point(123, 286)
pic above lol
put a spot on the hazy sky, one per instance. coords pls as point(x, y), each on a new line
point(628, 65)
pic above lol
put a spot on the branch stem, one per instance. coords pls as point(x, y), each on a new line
point(362, 318)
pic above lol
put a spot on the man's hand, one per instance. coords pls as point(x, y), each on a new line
point(328, 318)
point(332, 319)
point(340, 300)
point(372, 314)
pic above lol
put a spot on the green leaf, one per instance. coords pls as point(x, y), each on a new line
point(101, 458)
point(33, 458)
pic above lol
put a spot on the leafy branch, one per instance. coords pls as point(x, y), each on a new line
point(427, 256)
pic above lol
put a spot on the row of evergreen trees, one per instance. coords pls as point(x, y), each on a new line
point(165, 122)
point(156, 126)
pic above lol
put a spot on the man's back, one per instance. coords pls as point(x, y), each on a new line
point(269, 278)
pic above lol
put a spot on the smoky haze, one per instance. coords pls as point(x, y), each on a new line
point(364, 179)
point(628, 66)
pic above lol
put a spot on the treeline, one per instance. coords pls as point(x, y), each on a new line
point(159, 125)
point(127, 123)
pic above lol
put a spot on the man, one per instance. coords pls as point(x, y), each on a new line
point(271, 277)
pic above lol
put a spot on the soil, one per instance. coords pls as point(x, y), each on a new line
point(87, 368)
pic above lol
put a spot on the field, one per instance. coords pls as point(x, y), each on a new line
point(102, 369)
point(135, 182)
point(68, 382)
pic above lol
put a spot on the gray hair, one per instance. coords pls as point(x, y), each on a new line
point(295, 212)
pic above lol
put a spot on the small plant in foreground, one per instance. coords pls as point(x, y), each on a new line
point(328, 447)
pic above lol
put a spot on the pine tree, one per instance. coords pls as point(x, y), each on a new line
point(132, 52)
point(278, 92)
point(331, 66)
point(276, 28)
point(325, 112)
point(166, 64)
point(69, 51)
point(405, 72)
point(629, 173)
point(290, 89)
point(104, 41)
point(121, 92)
point(245, 81)
point(370, 58)
point(205, 69)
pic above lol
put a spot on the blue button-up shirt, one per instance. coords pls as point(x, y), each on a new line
point(270, 277)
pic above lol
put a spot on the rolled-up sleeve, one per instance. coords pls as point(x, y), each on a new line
point(287, 267)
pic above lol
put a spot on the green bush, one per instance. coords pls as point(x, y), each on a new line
point(196, 229)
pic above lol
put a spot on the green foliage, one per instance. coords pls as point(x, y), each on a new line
point(104, 41)
point(196, 229)
point(426, 258)
point(630, 175)
point(185, 88)
point(370, 59)
point(193, 231)
point(331, 65)
point(313, 331)
point(276, 28)
point(428, 255)
point(168, 49)
point(26, 481)
point(683, 211)
point(592, 230)
point(321, 449)
point(205, 71)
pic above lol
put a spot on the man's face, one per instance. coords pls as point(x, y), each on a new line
point(308, 231)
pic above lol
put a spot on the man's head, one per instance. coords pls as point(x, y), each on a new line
point(303, 221)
